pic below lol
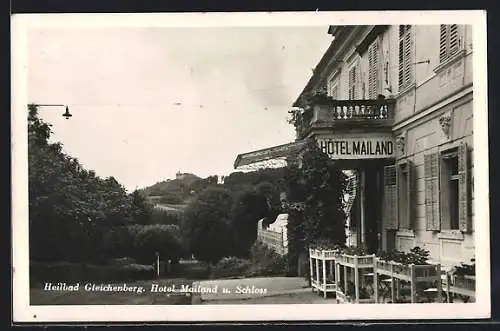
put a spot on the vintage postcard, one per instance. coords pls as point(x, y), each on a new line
point(250, 166)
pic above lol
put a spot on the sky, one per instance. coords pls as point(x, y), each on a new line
point(148, 102)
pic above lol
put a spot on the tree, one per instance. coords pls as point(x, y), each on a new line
point(71, 210)
point(315, 194)
point(272, 194)
point(205, 226)
point(141, 209)
point(162, 239)
point(249, 207)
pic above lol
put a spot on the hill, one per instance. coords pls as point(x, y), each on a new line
point(177, 191)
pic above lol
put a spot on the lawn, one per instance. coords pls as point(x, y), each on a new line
point(39, 296)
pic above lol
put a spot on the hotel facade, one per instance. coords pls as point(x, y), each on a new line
point(393, 104)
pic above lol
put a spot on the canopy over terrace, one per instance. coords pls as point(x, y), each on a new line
point(265, 157)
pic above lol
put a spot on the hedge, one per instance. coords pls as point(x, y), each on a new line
point(41, 272)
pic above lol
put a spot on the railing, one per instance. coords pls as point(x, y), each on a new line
point(348, 113)
point(391, 277)
point(368, 279)
point(464, 286)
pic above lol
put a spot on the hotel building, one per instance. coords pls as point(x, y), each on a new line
point(393, 103)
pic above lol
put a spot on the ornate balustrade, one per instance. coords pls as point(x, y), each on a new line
point(347, 114)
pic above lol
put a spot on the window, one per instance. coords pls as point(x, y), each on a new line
point(373, 70)
point(403, 196)
point(449, 41)
point(405, 77)
point(353, 81)
point(398, 196)
point(447, 190)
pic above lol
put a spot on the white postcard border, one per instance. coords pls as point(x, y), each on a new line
point(23, 312)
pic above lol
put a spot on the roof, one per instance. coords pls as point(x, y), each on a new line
point(267, 153)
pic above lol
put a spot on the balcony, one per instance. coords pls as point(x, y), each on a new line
point(345, 115)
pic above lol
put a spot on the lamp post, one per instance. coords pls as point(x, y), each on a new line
point(66, 114)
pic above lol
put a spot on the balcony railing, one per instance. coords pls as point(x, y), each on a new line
point(346, 114)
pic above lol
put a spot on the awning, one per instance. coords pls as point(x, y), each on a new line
point(268, 153)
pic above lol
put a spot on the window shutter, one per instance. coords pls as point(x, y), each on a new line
point(390, 198)
point(405, 56)
point(351, 83)
point(408, 58)
point(453, 37)
point(401, 64)
point(400, 221)
point(443, 42)
point(370, 72)
point(431, 163)
point(412, 194)
point(463, 189)
point(373, 70)
point(357, 80)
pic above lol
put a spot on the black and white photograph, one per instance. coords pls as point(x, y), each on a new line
point(250, 166)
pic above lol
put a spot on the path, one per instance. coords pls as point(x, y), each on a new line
point(256, 290)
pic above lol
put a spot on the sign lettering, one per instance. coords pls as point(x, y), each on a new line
point(357, 148)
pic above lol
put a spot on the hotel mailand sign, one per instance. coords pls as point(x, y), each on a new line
point(357, 146)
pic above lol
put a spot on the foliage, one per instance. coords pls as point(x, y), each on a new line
point(171, 198)
point(272, 176)
point(162, 239)
point(231, 267)
point(326, 244)
point(42, 272)
point(70, 208)
point(266, 262)
point(302, 116)
point(142, 210)
point(205, 225)
point(416, 256)
point(354, 251)
point(249, 207)
point(159, 216)
point(74, 215)
point(315, 200)
point(464, 269)
point(175, 187)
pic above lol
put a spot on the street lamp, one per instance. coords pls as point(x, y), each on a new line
point(66, 114)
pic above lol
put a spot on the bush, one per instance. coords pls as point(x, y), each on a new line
point(465, 269)
point(42, 272)
point(164, 239)
point(171, 198)
point(159, 216)
point(229, 267)
point(266, 262)
point(417, 256)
